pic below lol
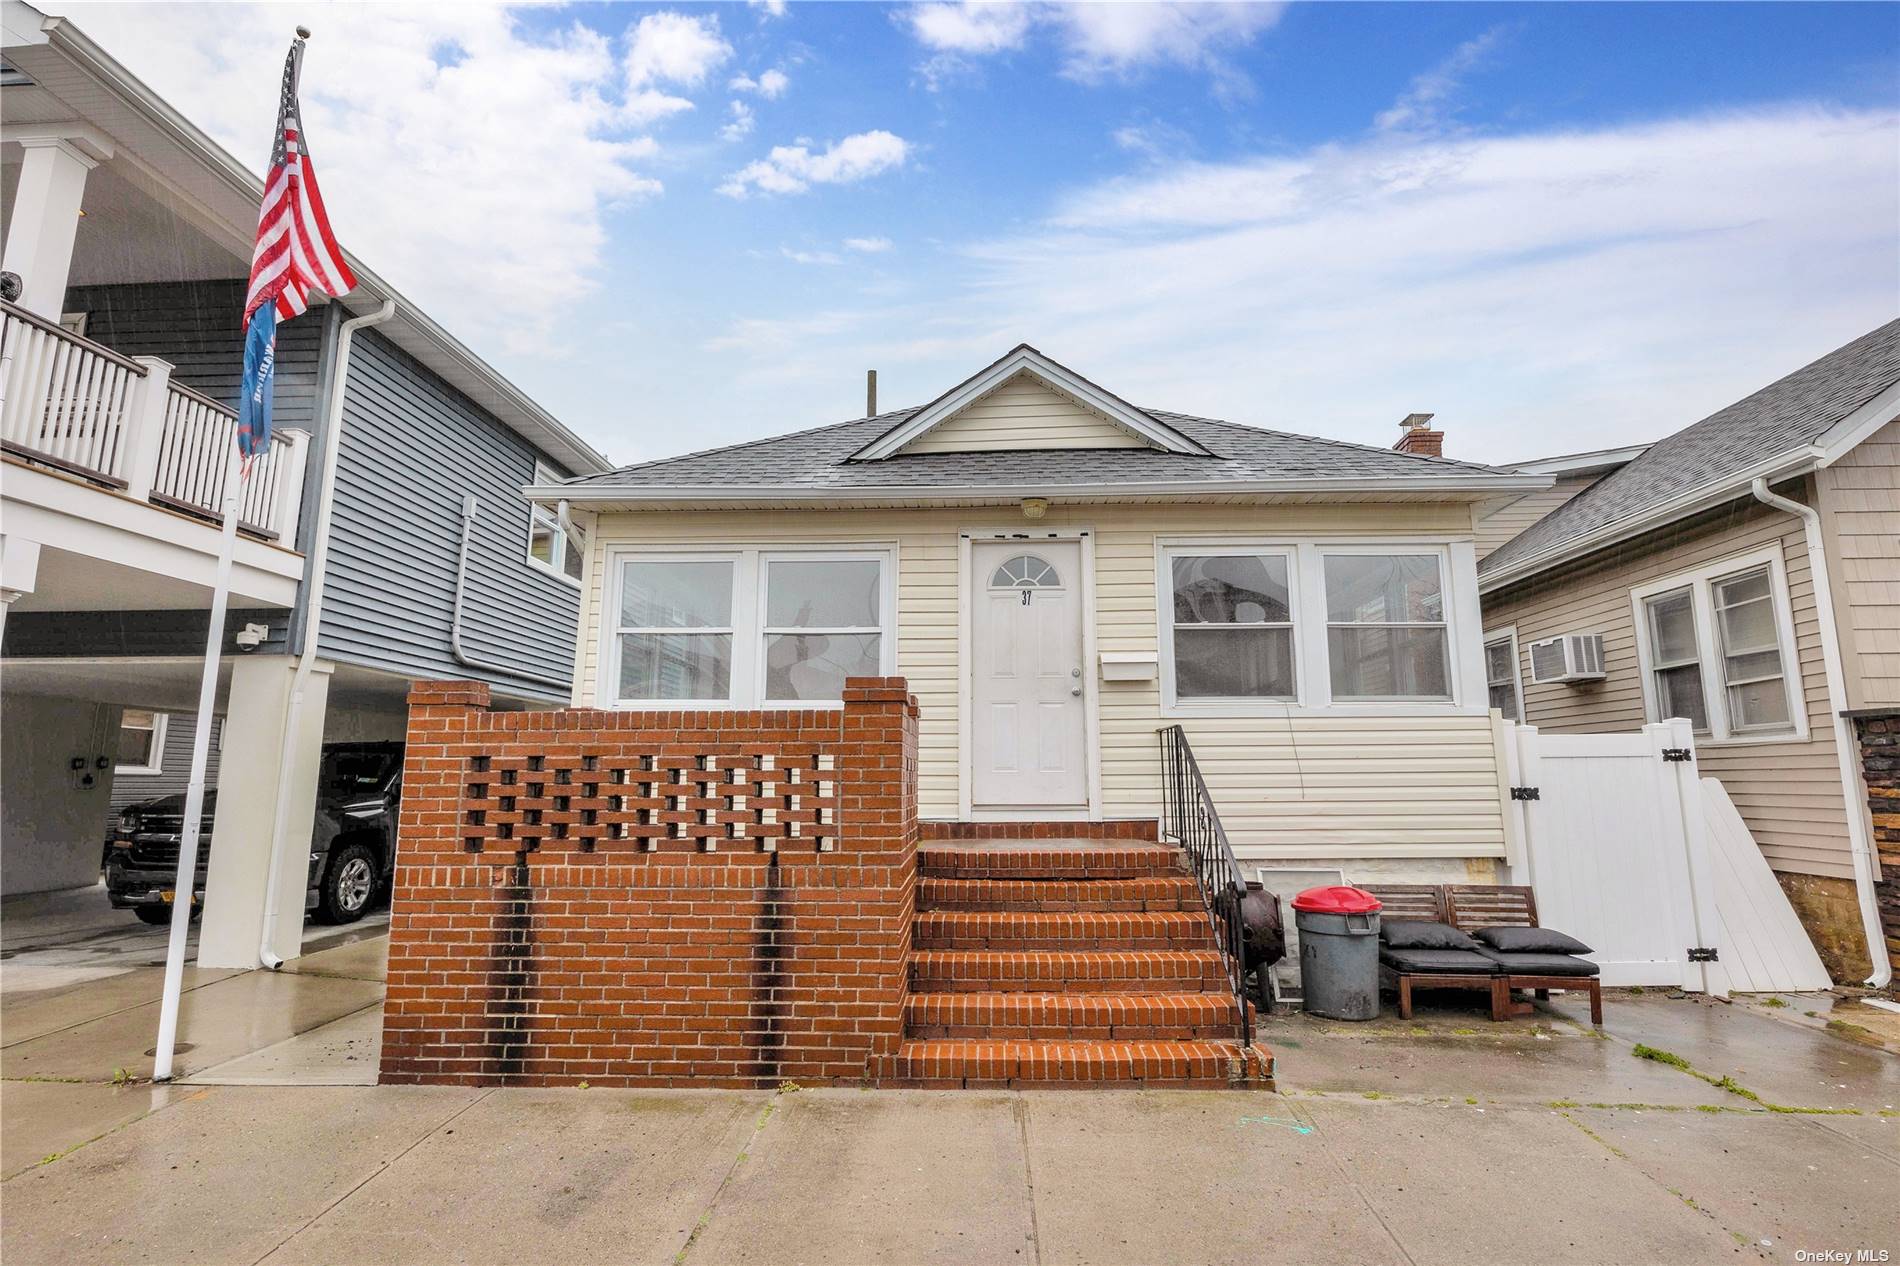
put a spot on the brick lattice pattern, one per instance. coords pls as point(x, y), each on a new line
point(652, 898)
point(1880, 769)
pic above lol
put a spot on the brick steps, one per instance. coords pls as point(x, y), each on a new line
point(1045, 971)
point(1083, 963)
point(1072, 1016)
point(953, 1065)
point(1048, 860)
point(1166, 892)
point(1065, 929)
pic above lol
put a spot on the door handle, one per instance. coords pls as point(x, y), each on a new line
point(1075, 690)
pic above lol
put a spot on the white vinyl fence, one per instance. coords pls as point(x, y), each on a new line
point(1628, 849)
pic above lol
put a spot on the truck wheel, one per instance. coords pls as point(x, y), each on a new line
point(153, 914)
point(348, 885)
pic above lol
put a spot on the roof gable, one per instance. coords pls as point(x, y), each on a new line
point(1026, 401)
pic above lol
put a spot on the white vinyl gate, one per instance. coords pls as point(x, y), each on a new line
point(1609, 833)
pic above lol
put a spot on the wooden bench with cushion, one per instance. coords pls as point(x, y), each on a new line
point(1469, 907)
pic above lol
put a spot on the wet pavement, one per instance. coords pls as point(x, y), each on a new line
point(1445, 1139)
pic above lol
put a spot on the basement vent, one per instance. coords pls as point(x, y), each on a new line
point(1571, 657)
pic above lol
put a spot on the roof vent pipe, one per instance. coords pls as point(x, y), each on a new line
point(870, 393)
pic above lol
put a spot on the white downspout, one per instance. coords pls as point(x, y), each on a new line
point(1859, 843)
point(313, 616)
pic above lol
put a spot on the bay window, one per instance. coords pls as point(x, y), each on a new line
point(1717, 648)
point(748, 627)
point(1386, 636)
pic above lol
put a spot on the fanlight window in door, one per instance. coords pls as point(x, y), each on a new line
point(1025, 571)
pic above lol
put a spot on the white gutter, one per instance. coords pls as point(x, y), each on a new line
point(313, 616)
point(1859, 842)
point(564, 684)
point(1196, 488)
point(1702, 497)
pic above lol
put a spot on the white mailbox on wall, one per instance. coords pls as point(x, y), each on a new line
point(1130, 665)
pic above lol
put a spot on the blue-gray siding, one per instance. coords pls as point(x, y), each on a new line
point(412, 448)
point(198, 327)
point(174, 764)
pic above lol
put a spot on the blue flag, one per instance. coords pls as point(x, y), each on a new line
point(260, 368)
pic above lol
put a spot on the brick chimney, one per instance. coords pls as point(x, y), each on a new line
point(1417, 436)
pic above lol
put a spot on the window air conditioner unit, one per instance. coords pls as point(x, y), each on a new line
point(1572, 657)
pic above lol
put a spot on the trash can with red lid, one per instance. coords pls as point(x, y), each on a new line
point(1339, 952)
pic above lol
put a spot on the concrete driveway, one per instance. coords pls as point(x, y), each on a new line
point(1444, 1140)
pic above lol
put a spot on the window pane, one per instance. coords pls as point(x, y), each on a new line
point(1233, 663)
point(1504, 699)
point(814, 665)
point(1757, 664)
point(572, 559)
point(541, 542)
point(137, 732)
point(1748, 627)
point(1742, 588)
point(675, 665)
point(1497, 662)
point(821, 594)
point(1679, 694)
point(1759, 703)
point(1672, 621)
point(676, 595)
point(1025, 571)
point(1230, 589)
point(1395, 663)
point(1381, 589)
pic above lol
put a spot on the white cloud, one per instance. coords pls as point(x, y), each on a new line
point(421, 106)
point(1424, 105)
point(970, 26)
point(771, 85)
point(1097, 40)
point(739, 123)
point(773, 8)
point(1542, 292)
point(794, 168)
point(673, 48)
point(810, 257)
point(868, 245)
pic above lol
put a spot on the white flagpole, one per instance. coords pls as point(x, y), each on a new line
point(185, 887)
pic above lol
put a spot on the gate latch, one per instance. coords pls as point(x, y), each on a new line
point(1677, 754)
point(1702, 954)
point(1525, 793)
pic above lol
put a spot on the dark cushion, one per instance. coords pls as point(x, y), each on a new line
point(1418, 934)
point(1542, 964)
point(1530, 941)
point(1439, 962)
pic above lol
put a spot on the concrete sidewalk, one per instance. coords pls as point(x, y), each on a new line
point(1445, 1140)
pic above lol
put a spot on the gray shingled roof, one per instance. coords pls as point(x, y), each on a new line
point(1780, 418)
point(819, 459)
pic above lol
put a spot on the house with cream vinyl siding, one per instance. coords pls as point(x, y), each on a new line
point(1745, 573)
point(1058, 574)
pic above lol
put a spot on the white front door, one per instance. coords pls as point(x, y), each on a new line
point(1028, 710)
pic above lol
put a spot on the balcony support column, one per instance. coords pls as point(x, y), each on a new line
point(145, 424)
point(45, 220)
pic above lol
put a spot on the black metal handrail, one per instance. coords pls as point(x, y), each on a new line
point(1189, 818)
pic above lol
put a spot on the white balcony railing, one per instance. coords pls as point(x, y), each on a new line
point(75, 405)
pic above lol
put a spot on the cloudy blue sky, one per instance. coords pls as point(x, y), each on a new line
point(1558, 227)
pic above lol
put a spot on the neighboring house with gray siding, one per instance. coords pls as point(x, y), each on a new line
point(1745, 573)
point(436, 564)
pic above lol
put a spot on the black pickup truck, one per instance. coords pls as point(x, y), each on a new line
point(352, 843)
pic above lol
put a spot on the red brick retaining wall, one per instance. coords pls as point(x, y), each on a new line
point(652, 898)
point(1880, 767)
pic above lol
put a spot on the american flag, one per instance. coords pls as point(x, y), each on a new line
point(295, 253)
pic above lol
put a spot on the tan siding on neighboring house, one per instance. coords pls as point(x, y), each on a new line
point(1789, 792)
point(1023, 413)
point(1508, 520)
point(1860, 505)
point(1364, 785)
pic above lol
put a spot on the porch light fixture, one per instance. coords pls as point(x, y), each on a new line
point(1035, 507)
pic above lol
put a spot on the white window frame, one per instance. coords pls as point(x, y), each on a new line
point(1700, 582)
point(1394, 549)
point(1166, 554)
point(551, 518)
point(156, 765)
point(1458, 579)
point(747, 683)
point(1508, 635)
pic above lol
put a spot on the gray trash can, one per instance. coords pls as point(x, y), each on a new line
point(1339, 952)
